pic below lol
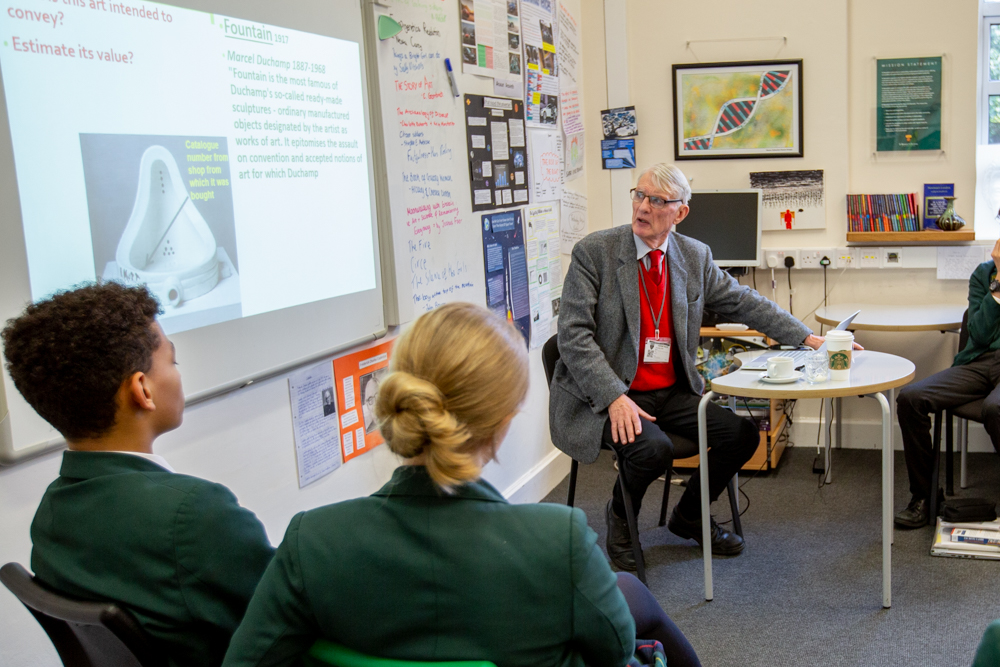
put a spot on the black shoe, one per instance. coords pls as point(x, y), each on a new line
point(724, 543)
point(916, 514)
point(619, 541)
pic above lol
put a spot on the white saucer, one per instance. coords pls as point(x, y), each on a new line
point(794, 377)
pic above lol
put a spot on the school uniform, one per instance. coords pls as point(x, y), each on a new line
point(412, 573)
point(177, 551)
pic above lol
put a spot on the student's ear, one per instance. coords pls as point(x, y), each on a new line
point(138, 391)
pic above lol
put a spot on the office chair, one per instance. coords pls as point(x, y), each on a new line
point(85, 634)
point(328, 653)
point(972, 411)
point(683, 448)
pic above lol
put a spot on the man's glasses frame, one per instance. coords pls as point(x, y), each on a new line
point(638, 195)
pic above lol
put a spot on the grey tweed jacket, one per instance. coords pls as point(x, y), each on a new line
point(599, 327)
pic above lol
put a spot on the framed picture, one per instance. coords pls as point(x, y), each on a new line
point(738, 110)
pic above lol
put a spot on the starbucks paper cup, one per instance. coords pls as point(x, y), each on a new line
point(840, 349)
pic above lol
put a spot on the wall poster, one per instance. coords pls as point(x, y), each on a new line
point(908, 106)
point(506, 265)
point(498, 152)
point(738, 110)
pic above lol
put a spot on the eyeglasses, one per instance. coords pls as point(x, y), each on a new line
point(656, 202)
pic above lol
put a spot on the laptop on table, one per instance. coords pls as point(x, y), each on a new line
point(799, 356)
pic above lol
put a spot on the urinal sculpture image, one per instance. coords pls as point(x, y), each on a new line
point(166, 245)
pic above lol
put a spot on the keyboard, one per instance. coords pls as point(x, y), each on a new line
point(760, 363)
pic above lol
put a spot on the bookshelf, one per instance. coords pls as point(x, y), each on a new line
point(926, 237)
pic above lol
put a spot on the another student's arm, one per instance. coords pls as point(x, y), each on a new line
point(279, 627)
point(222, 551)
point(984, 311)
point(603, 628)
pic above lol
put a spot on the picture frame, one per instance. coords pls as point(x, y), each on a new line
point(764, 119)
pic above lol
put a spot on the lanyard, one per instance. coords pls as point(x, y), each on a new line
point(656, 318)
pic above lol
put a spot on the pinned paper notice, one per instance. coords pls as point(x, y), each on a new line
point(349, 418)
point(349, 393)
point(958, 263)
point(314, 422)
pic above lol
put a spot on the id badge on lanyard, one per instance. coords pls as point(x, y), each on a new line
point(657, 348)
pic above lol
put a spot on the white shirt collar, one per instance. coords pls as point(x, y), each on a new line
point(641, 249)
point(155, 458)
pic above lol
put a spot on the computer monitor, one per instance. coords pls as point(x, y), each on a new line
point(728, 222)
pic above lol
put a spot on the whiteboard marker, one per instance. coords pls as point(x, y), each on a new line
point(451, 77)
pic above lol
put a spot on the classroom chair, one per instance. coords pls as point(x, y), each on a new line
point(683, 448)
point(972, 411)
point(85, 634)
point(328, 653)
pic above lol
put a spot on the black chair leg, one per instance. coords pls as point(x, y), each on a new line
point(935, 468)
point(949, 463)
point(633, 527)
point(572, 482)
point(666, 496)
point(734, 506)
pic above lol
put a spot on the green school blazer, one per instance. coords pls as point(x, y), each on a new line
point(414, 574)
point(177, 551)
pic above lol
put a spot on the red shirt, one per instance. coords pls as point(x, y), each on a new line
point(654, 376)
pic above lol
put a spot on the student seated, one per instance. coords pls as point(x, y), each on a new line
point(119, 524)
point(437, 565)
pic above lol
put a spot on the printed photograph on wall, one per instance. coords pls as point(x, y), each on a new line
point(791, 199)
point(738, 110)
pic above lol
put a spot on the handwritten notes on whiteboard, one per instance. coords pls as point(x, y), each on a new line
point(434, 236)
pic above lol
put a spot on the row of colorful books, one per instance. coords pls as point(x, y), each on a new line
point(883, 213)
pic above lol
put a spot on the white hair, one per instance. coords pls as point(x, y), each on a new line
point(668, 177)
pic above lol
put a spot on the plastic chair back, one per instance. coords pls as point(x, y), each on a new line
point(328, 653)
point(550, 355)
point(85, 634)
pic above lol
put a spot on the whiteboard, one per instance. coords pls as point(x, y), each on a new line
point(235, 352)
point(436, 241)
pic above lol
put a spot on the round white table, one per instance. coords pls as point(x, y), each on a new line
point(879, 317)
point(872, 374)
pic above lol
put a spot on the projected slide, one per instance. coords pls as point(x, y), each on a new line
point(218, 161)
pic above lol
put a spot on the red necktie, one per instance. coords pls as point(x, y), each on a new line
point(656, 265)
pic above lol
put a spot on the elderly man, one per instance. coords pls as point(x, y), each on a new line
point(632, 304)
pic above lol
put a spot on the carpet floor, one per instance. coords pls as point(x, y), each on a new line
point(807, 588)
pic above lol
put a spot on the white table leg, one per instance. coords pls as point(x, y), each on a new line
point(887, 460)
point(840, 422)
point(892, 451)
point(828, 409)
point(706, 521)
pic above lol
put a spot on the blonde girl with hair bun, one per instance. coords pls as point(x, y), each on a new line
point(440, 406)
point(437, 565)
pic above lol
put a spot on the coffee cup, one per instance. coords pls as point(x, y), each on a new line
point(840, 350)
point(779, 368)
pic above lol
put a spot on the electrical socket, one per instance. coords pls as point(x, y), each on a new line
point(844, 258)
point(810, 258)
point(892, 258)
point(869, 258)
point(775, 259)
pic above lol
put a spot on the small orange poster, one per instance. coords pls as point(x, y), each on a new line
point(357, 377)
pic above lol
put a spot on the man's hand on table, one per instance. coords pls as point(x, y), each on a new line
point(814, 341)
point(624, 415)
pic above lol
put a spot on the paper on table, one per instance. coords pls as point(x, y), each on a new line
point(958, 262)
point(314, 422)
point(573, 218)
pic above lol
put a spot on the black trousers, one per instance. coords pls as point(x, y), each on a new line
point(732, 440)
point(950, 388)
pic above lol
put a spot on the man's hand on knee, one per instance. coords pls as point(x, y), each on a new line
point(624, 415)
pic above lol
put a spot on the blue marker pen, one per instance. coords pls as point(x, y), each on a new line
point(451, 77)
